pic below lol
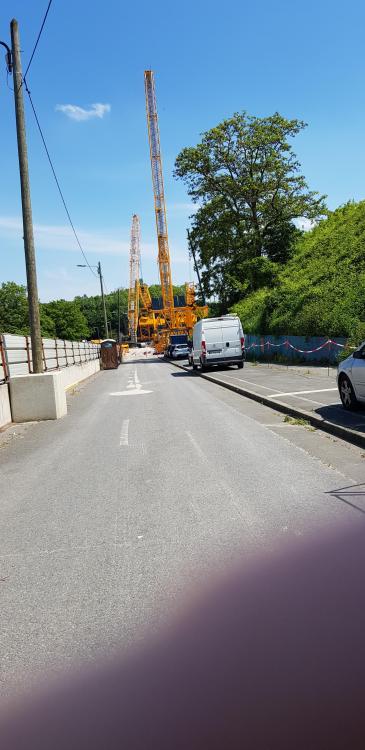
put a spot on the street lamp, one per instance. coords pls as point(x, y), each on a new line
point(98, 267)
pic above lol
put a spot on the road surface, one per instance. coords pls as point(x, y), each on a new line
point(154, 480)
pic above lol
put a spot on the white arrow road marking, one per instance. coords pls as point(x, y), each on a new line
point(124, 433)
point(133, 388)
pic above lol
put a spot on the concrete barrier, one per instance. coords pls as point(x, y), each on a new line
point(5, 413)
point(36, 397)
point(43, 396)
point(76, 373)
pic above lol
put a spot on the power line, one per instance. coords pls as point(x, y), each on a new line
point(38, 38)
point(56, 178)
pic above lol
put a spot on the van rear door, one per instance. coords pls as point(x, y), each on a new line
point(213, 339)
point(231, 338)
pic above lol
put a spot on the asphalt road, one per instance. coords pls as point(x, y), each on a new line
point(153, 481)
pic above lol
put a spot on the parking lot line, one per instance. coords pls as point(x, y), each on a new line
point(299, 393)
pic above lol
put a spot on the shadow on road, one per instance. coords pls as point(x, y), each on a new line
point(346, 494)
point(184, 374)
point(336, 414)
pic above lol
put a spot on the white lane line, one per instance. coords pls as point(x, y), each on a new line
point(299, 393)
point(137, 384)
point(124, 433)
point(196, 445)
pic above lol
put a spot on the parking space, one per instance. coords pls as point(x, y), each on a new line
point(307, 389)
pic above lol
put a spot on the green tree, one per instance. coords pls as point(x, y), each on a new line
point(249, 187)
point(155, 290)
point(14, 316)
point(69, 322)
point(92, 308)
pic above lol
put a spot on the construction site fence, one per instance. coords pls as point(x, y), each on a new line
point(16, 354)
point(320, 349)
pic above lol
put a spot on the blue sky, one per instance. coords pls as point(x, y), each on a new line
point(210, 59)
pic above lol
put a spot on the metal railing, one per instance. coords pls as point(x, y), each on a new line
point(16, 354)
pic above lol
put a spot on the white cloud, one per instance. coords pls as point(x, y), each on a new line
point(61, 238)
point(78, 113)
point(181, 209)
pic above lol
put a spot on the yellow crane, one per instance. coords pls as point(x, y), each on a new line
point(133, 292)
point(176, 319)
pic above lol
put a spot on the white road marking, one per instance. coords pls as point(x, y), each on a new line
point(299, 393)
point(124, 433)
point(250, 382)
point(136, 380)
point(196, 445)
point(310, 401)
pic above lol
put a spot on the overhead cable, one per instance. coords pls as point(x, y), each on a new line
point(38, 38)
point(56, 178)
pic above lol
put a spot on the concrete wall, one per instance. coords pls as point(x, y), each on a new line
point(5, 413)
point(76, 373)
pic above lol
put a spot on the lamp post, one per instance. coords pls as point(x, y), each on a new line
point(98, 267)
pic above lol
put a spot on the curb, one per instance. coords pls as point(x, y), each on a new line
point(345, 433)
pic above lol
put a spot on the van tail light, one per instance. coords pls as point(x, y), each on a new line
point(242, 342)
point(204, 347)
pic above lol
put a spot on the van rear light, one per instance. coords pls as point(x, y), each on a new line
point(204, 347)
point(242, 342)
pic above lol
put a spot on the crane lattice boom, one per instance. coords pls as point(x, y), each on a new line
point(134, 264)
point(159, 196)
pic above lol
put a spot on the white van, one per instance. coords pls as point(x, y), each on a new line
point(218, 341)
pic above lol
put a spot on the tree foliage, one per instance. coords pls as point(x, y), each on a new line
point(321, 290)
point(69, 322)
point(249, 187)
point(155, 290)
point(13, 308)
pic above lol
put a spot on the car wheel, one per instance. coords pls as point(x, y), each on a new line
point(347, 393)
point(240, 365)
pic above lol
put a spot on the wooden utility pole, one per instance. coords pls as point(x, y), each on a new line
point(118, 315)
point(192, 250)
point(30, 262)
point(103, 298)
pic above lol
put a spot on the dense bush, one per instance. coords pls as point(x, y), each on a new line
point(321, 290)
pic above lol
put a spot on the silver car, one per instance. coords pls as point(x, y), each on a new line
point(351, 379)
point(180, 351)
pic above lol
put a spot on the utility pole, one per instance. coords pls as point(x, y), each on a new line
point(30, 261)
point(118, 315)
point(192, 250)
point(103, 298)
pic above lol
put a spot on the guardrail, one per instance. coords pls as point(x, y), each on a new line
point(16, 354)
